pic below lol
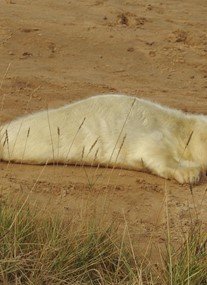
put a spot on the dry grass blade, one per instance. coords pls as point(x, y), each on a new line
point(1, 85)
point(121, 131)
point(189, 139)
point(51, 138)
point(79, 128)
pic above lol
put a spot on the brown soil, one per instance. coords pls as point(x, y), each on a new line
point(54, 52)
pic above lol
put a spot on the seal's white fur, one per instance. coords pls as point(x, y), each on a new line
point(114, 131)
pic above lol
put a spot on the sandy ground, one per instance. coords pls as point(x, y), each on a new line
point(55, 52)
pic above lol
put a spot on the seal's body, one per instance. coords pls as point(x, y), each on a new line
point(111, 131)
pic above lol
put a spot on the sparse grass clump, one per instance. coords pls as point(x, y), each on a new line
point(188, 264)
point(49, 251)
point(38, 250)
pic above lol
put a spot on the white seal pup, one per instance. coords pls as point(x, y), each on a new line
point(112, 131)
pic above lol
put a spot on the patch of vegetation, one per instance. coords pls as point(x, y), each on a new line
point(187, 264)
point(46, 250)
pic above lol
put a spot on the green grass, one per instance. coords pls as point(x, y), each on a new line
point(189, 262)
point(36, 250)
point(46, 250)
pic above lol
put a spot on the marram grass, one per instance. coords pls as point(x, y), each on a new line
point(36, 250)
point(48, 251)
point(188, 264)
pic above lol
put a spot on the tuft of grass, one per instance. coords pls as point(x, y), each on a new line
point(38, 249)
point(187, 265)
